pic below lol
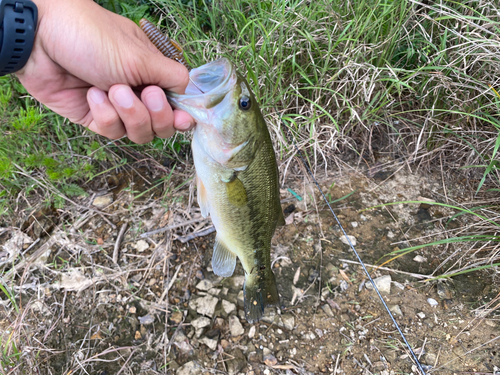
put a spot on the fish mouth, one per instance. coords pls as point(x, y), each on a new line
point(208, 85)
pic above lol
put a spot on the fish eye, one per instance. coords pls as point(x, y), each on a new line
point(245, 103)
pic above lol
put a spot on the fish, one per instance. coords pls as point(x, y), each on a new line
point(237, 177)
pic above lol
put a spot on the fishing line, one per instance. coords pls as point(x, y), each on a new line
point(289, 137)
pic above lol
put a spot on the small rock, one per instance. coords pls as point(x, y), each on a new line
point(146, 319)
point(396, 310)
point(103, 200)
point(137, 335)
point(211, 343)
point(288, 321)
point(399, 285)
point(351, 238)
point(204, 285)
point(421, 315)
point(327, 309)
point(379, 366)
point(141, 246)
point(176, 317)
point(235, 326)
point(204, 305)
point(224, 343)
point(201, 322)
point(228, 307)
point(383, 284)
point(430, 359)
point(235, 365)
point(420, 259)
point(251, 332)
point(190, 368)
point(270, 360)
point(240, 298)
point(238, 282)
point(132, 310)
point(354, 224)
point(432, 302)
point(214, 291)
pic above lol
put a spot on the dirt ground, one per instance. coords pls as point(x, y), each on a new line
point(94, 301)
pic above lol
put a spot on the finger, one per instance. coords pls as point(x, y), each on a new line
point(160, 112)
point(183, 121)
point(164, 72)
point(132, 112)
point(105, 119)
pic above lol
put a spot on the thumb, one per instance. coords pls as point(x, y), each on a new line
point(164, 72)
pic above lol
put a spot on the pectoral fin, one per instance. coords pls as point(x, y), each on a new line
point(223, 260)
point(202, 197)
point(236, 192)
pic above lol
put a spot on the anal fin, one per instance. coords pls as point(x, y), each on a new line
point(223, 260)
point(202, 197)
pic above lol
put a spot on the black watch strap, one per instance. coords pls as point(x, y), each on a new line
point(18, 20)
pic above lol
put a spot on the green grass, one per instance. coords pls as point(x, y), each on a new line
point(420, 79)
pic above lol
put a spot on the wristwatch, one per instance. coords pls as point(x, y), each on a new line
point(18, 20)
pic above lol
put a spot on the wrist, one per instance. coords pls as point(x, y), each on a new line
point(18, 21)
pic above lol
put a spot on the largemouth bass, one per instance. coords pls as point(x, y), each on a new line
point(236, 175)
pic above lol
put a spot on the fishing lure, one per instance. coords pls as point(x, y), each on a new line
point(168, 47)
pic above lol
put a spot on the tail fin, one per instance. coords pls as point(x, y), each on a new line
point(259, 291)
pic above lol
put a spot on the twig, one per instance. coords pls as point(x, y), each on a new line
point(171, 282)
point(170, 227)
point(118, 242)
point(201, 233)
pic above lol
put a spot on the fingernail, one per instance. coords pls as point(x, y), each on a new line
point(124, 97)
point(184, 126)
point(154, 101)
point(97, 96)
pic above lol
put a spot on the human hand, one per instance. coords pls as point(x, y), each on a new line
point(87, 64)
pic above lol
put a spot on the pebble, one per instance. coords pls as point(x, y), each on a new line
point(351, 238)
point(190, 368)
point(176, 317)
point(430, 359)
point(354, 224)
point(235, 326)
point(432, 302)
point(240, 299)
point(201, 322)
point(235, 365)
point(211, 343)
point(204, 285)
point(420, 259)
point(251, 332)
point(228, 307)
point(214, 291)
point(204, 305)
point(146, 319)
point(421, 315)
point(238, 281)
point(328, 310)
point(103, 200)
point(383, 284)
point(132, 310)
point(396, 310)
point(141, 246)
point(288, 321)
